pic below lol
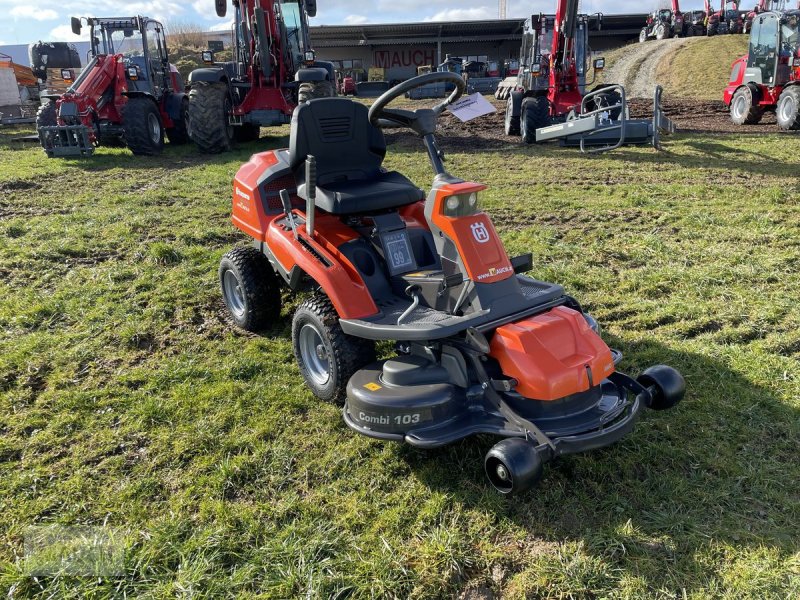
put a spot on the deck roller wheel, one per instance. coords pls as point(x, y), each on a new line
point(666, 386)
point(513, 466)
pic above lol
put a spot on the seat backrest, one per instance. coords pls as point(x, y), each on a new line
point(337, 132)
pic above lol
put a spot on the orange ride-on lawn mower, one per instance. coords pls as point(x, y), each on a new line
point(481, 347)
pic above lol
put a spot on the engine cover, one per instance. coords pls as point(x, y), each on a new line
point(552, 355)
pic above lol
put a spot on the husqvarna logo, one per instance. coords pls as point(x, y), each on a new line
point(479, 232)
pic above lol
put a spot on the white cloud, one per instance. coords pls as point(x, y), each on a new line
point(32, 12)
point(355, 19)
point(63, 33)
point(226, 26)
point(464, 14)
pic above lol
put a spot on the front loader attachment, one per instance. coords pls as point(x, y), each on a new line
point(66, 140)
point(595, 131)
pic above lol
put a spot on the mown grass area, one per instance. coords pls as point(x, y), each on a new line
point(127, 400)
point(701, 68)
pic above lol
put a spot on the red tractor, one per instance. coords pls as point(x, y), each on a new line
point(129, 94)
point(273, 69)
point(762, 6)
point(728, 19)
point(550, 86)
point(767, 78)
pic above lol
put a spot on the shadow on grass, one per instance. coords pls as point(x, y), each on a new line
point(719, 468)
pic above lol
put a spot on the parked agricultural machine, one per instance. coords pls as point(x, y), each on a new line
point(272, 71)
point(728, 19)
point(548, 99)
point(664, 23)
point(129, 94)
point(767, 78)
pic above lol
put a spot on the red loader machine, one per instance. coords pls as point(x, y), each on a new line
point(273, 69)
point(480, 346)
point(768, 77)
point(129, 94)
point(664, 23)
point(548, 99)
point(727, 20)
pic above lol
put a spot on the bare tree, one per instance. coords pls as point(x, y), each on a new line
point(185, 33)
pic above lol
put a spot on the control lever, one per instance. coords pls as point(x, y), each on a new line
point(287, 208)
point(311, 193)
point(451, 281)
point(413, 292)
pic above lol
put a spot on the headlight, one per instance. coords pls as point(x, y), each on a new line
point(461, 205)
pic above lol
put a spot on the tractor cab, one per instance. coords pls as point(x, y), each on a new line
point(773, 48)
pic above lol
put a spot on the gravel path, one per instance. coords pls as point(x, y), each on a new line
point(636, 70)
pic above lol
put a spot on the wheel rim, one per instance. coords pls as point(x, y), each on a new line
point(154, 127)
point(739, 106)
point(787, 109)
point(314, 354)
point(499, 475)
point(234, 296)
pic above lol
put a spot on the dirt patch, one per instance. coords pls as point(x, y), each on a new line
point(16, 185)
point(699, 116)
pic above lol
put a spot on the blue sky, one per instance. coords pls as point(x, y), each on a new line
point(34, 20)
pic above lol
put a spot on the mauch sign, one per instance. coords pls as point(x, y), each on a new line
point(387, 59)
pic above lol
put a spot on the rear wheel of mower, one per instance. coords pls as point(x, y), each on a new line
point(46, 117)
point(144, 132)
point(535, 113)
point(179, 134)
point(513, 466)
point(788, 109)
point(744, 108)
point(666, 385)
point(327, 356)
point(250, 288)
point(511, 122)
point(209, 117)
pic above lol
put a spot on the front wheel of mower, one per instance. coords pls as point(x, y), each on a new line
point(327, 356)
point(788, 110)
point(513, 466)
point(744, 107)
point(535, 113)
point(144, 131)
point(665, 384)
point(250, 288)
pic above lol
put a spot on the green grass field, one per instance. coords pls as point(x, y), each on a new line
point(127, 400)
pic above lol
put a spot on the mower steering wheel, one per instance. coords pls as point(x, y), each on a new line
point(383, 117)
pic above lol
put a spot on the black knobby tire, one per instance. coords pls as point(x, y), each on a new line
point(788, 109)
point(144, 131)
point(246, 133)
point(46, 117)
point(606, 99)
point(744, 107)
point(250, 288)
point(316, 333)
point(535, 113)
point(209, 111)
point(315, 89)
point(179, 134)
point(712, 30)
point(511, 122)
point(661, 32)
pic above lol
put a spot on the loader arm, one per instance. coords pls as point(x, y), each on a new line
point(89, 95)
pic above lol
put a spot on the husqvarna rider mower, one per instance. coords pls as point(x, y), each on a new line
point(481, 347)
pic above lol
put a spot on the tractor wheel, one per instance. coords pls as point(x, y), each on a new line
point(744, 108)
point(209, 124)
point(511, 122)
point(250, 288)
point(180, 133)
point(327, 356)
point(46, 117)
point(643, 35)
point(535, 114)
point(144, 132)
point(712, 30)
point(661, 32)
point(788, 109)
point(605, 99)
point(317, 89)
point(246, 133)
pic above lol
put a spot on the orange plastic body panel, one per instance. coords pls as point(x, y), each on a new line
point(248, 214)
point(550, 354)
point(478, 244)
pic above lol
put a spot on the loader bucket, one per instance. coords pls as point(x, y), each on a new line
point(66, 140)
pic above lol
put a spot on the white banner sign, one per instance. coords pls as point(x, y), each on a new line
point(471, 107)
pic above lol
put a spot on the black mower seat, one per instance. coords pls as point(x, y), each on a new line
point(349, 153)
